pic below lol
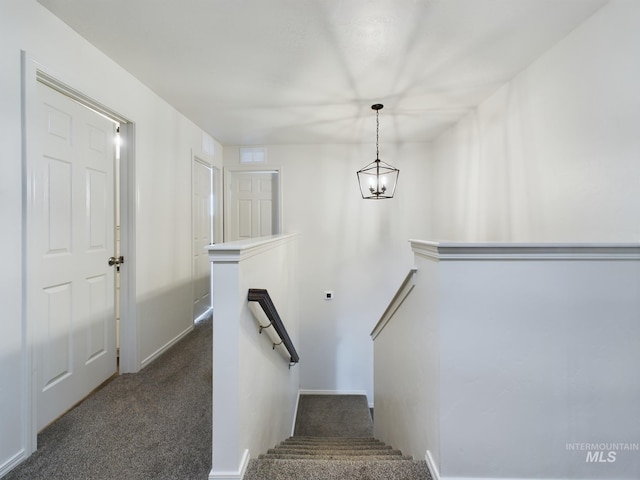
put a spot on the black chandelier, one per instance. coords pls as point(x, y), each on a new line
point(378, 179)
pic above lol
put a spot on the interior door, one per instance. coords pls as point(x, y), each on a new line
point(70, 238)
point(254, 208)
point(202, 225)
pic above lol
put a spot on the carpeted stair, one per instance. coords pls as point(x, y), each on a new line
point(334, 455)
point(324, 458)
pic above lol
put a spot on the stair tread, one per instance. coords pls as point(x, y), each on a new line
point(337, 444)
point(333, 439)
point(284, 469)
point(293, 456)
point(323, 451)
point(332, 444)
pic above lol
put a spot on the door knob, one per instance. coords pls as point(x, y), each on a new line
point(116, 261)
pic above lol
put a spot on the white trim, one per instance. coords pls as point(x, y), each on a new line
point(129, 344)
point(400, 296)
point(425, 249)
point(203, 162)
point(12, 462)
point(499, 478)
point(239, 250)
point(29, 411)
point(218, 204)
point(295, 414)
point(60, 87)
point(165, 347)
point(31, 68)
point(237, 475)
point(204, 316)
point(526, 251)
point(431, 464)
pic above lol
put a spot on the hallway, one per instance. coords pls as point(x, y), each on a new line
point(155, 424)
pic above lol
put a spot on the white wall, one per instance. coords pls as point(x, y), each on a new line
point(553, 155)
point(407, 369)
point(164, 141)
point(535, 355)
point(254, 390)
point(356, 248)
point(508, 356)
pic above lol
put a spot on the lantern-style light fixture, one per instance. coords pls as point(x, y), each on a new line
point(378, 179)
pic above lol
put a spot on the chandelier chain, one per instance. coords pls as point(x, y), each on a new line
point(377, 134)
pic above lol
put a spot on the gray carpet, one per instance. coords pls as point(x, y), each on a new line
point(155, 424)
point(333, 441)
point(333, 416)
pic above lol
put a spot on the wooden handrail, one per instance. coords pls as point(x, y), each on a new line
point(261, 296)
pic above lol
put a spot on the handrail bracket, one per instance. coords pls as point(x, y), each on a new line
point(261, 296)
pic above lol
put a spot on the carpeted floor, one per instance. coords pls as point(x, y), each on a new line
point(155, 424)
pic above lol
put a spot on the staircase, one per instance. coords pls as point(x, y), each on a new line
point(335, 458)
point(333, 440)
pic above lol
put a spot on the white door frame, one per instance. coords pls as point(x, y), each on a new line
point(216, 225)
point(218, 200)
point(277, 195)
point(32, 73)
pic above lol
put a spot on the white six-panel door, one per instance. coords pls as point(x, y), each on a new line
point(253, 198)
point(70, 228)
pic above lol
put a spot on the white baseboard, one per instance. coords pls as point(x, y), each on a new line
point(500, 478)
point(237, 475)
point(165, 347)
point(295, 414)
point(335, 392)
point(435, 474)
point(12, 462)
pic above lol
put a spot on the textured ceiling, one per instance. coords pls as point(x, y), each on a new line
point(308, 71)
